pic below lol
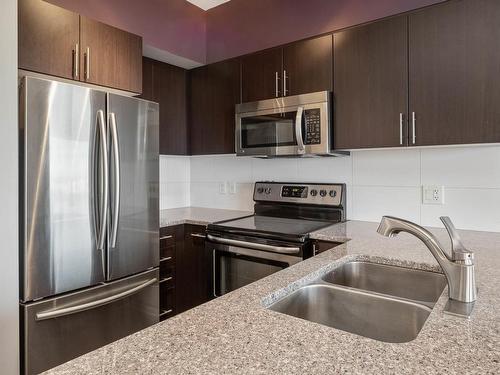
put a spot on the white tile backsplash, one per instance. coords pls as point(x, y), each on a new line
point(462, 166)
point(379, 182)
point(386, 168)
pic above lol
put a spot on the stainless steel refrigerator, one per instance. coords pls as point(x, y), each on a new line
point(89, 219)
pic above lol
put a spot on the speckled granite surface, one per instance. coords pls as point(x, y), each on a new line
point(236, 334)
point(197, 215)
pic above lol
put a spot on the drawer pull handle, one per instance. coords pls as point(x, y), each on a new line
point(166, 237)
point(198, 235)
point(166, 279)
point(166, 312)
point(164, 259)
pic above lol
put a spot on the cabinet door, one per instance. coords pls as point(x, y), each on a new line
point(454, 70)
point(261, 75)
point(308, 66)
point(110, 56)
point(170, 91)
point(371, 85)
point(192, 267)
point(214, 92)
point(48, 38)
point(147, 79)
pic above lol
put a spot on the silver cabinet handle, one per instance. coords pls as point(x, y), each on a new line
point(254, 245)
point(285, 91)
point(276, 81)
point(76, 61)
point(298, 130)
point(198, 235)
point(213, 275)
point(166, 258)
point(166, 279)
point(413, 126)
point(91, 305)
point(105, 189)
point(401, 129)
point(167, 237)
point(87, 64)
point(116, 191)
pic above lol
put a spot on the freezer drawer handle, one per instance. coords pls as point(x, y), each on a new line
point(254, 245)
point(92, 305)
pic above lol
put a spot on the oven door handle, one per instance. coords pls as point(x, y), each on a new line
point(253, 245)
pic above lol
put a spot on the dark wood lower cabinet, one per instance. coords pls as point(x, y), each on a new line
point(193, 267)
point(321, 246)
point(184, 269)
point(171, 244)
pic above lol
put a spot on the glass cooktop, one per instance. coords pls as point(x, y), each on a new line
point(258, 224)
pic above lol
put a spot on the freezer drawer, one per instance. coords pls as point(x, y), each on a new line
point(59, 329)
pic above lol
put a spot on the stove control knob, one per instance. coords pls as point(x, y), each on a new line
point(314, 192)
point(268, 190)
point(333, 193)
point(260, 190)
point(322, 193)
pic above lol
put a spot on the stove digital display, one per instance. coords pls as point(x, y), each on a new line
point(294, 192)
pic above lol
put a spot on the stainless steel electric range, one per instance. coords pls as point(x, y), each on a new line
point(276, 236)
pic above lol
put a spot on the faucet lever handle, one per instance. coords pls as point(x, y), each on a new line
point(458, 251)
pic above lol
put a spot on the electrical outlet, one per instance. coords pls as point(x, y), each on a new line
point(433, 194)
point(223, 188)
point(232, 188)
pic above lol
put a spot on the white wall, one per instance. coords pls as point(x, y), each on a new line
point(379, 182)
point(174, 181)
point(9, 279)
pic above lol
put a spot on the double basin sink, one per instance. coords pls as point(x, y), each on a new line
point(382, 302)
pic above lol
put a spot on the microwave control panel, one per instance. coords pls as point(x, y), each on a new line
point(312, 126)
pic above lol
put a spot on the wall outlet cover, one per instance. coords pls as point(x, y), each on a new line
point(433, 194)
point(223, 188)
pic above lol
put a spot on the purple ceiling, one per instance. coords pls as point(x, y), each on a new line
point(236, 27)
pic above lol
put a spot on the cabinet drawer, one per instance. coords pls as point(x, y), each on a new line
point(167, 240)
point(167, 301)
point(167, 254)
point(167, 274)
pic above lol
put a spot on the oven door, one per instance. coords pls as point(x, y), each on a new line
point(284, 131)
point(236, 263)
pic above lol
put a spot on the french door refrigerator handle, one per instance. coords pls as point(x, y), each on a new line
point(116, 193)
point(101, 235)
point(298, 130)
point(51, 314)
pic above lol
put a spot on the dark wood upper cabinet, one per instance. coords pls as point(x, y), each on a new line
point(454, 70)
point(261, 75)
point(167, 85)
point(170, 91)
point(147, 78)
point(214, 92)
point(110, 56)
point(308, 65)
point(48, 38)
point(371, 85)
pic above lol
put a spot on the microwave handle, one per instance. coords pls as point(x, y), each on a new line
point(298, 130)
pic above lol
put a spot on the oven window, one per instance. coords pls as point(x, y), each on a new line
point(234, 271)
point(268, 130)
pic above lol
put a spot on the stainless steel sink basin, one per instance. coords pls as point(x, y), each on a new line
point(376, 316)
point(420, 286)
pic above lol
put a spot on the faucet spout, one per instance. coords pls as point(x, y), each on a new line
point(458, 269)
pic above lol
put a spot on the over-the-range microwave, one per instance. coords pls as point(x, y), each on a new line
point(299, 125)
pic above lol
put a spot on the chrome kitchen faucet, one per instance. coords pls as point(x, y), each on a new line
point(458, 269)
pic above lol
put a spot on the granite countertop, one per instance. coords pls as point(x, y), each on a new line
point(236, 334)
point(197, 215)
